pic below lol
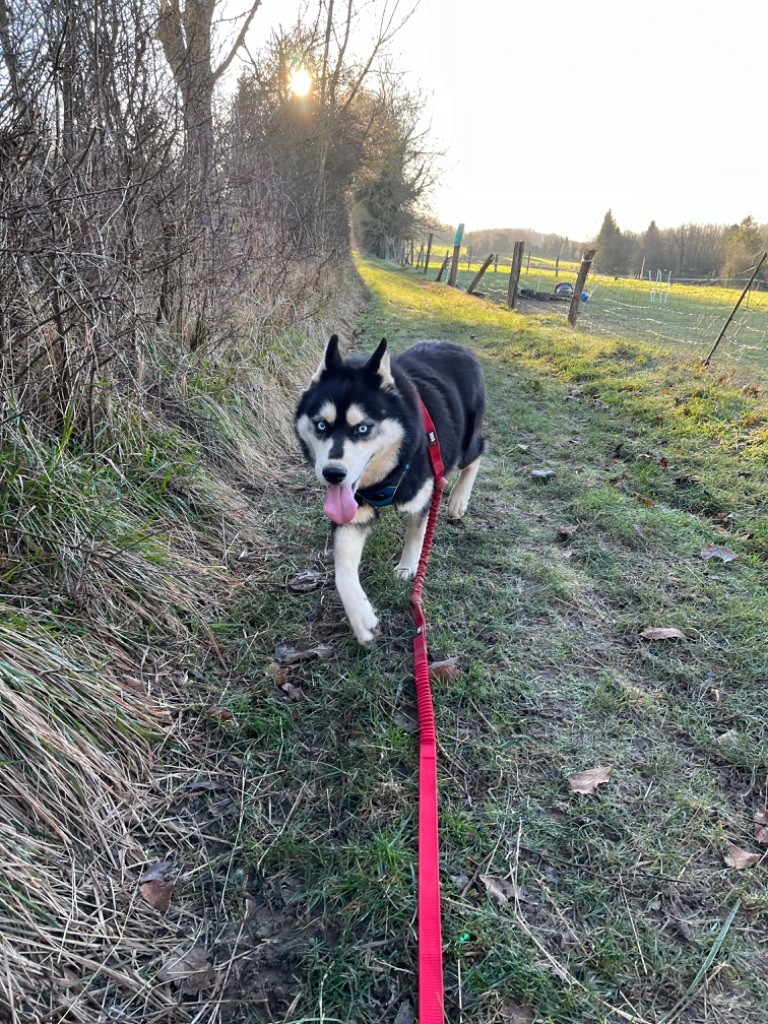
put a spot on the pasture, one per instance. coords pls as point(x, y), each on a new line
point(683, 318)
point(642, 902)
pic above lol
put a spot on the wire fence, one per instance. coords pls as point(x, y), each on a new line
point(680, 316)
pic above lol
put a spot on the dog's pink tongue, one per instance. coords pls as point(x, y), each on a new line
point(340, 505)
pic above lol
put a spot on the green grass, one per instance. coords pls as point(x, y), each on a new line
point(623, 895)
point(683, 319)
point(147, 595)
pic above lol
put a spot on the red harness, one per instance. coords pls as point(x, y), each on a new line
point(431, 998)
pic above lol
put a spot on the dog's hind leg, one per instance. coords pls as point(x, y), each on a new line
point(414, 540)
point(348, 544)
point(462, 489)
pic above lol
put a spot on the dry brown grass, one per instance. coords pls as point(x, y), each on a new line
point(117, 564)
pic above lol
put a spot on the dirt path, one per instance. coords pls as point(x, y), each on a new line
point(558, 905)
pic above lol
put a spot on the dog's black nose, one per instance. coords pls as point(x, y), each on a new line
point(334, 474)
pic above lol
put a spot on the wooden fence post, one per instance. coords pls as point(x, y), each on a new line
point(578, 288)
point(429, 253)
point(476, 279)
point(456, 252)
point(441, 271)
point(514, 274)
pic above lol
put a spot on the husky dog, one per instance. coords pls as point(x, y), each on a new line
point(360, 426)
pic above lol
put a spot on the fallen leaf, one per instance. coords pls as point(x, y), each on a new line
point(640, 532)
point(655, 633)
point(291, 691)
point(737, 858)
point(157, 871)
point(189, 969)
point(542, 474)
point(515, 1013)
point(565, 532)
point(760, 819)
point(727, 738)
point(523, 447)
point(648, 502)
point(157, 893)
point(443, 671)
point(285, 655)
point(220, 714)
point(587, 782)
point(724, 554)
point(280, 672)
point(501, 890)
point(133, 684)
point(568, 553)
point(305, 580)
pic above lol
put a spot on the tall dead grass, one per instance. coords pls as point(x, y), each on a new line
point(117, 559)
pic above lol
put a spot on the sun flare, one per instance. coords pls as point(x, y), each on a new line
point(300, 82)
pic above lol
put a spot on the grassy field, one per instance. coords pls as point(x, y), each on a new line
point(682, 318)
point(623, 905)
point(210, 802)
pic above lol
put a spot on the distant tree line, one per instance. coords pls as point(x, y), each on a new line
point(694, 251)
point(140, 206)
point(502, 241)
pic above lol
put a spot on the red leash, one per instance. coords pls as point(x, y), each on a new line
point(431, 1000)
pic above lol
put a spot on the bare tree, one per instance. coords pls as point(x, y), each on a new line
point(187, 37)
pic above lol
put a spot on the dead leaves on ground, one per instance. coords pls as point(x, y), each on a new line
point(155, 888)
point(515, 1013)
point(286, 659)
point(662, 633)
point(588, 781)
point(306, 580)
point(723, 554)
point(443, 671)
point(189, 969)
point(501, 890)
point(760, 820)
point(739, 859)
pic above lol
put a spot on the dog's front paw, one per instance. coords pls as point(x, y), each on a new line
point(365, 625)
point(405, 572)
point(457, 504)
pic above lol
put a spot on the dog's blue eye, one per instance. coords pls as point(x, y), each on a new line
point(361, 429)
point(320, 426)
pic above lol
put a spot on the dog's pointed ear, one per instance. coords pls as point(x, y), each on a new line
point(379, 364)
point(331, 359)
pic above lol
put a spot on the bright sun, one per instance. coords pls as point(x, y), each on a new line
point(300, 82)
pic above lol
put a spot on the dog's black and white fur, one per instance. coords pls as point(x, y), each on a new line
point(360, 426)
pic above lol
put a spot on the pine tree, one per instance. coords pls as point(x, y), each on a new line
point(742, 248)
point(610, 246)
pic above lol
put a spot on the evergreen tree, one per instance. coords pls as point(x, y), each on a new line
point(610, 247)
point(742, 248)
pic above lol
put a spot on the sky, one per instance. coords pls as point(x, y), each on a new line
point(552, 114)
